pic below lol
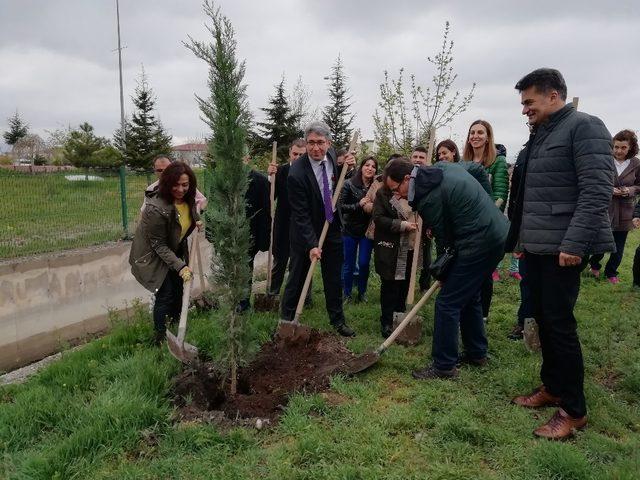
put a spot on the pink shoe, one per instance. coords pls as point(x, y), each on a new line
point(515, 275)
point(495, 276)
point(595, 273)
point(613, 280)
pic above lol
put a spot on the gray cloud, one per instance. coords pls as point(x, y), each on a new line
point(60, 67)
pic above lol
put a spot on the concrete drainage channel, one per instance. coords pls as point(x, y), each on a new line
point(48, 301)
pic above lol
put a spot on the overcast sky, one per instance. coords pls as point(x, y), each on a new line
point(59, 67)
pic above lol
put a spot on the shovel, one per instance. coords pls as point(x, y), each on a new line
point(265, 302)
point(293, 331)
point(368, 359)
point(412, 335)
point(180, 349)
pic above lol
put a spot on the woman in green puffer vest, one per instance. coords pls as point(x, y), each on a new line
point(480, 148)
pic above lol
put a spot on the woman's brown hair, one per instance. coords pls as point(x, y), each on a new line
point(489, 154)
point(628, 136)
point(357, 177)
point(451, 146)
point(170, 178)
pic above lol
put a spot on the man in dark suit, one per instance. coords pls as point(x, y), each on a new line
point(311, 182)
point(282, 216)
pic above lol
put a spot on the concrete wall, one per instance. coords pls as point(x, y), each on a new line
point(48, 301)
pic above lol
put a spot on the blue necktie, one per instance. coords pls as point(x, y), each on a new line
point(326, 194)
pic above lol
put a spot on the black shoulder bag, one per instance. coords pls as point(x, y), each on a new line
point(440, 267)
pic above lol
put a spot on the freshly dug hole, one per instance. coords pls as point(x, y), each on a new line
point(279, 369)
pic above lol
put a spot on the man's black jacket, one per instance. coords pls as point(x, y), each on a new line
point(258, 211)
point(307, 207)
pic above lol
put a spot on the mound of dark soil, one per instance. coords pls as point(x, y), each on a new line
point(279, 369)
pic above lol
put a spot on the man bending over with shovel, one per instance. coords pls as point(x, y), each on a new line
point(311, 182)
point(466, 223)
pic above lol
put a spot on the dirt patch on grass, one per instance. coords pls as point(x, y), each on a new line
point(264, 386)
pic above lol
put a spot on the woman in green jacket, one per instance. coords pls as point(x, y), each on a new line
point(480, 148)
point(159, 254)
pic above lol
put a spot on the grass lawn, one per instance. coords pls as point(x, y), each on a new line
point(48, 213)
point(102, 412)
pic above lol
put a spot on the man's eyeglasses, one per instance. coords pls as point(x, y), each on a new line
point(319, 143)
point(395, 189)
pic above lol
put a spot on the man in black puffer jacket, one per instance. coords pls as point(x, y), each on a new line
point(560, 215)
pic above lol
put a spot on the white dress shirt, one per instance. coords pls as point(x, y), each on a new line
point(621, 166)
point(317, 170)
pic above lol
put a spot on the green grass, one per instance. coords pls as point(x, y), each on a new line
point(102, 412)
point(47, 213)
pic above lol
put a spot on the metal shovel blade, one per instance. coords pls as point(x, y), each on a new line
point(183, 351)
point(361, 363)
point(292, 332)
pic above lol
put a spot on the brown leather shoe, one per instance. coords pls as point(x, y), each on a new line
point(560, 426)
point(536, 399)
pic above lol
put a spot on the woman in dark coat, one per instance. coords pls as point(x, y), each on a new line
point(625, 191)
point(159, 254)
point(393, 249)
point(355, 223)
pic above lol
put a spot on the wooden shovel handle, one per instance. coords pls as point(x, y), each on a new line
point(414, 262)
point(418, 240)
point(408, 317)
point(186, 291)
point(323, 234)
point(272, 199)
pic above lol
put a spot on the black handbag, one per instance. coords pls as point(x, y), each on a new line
point(440, 267)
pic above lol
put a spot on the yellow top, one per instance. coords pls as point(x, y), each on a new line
point(184, 216)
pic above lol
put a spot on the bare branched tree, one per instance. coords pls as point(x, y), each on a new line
point(434, 105)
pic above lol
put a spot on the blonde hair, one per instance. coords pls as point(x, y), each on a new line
point(489, 154)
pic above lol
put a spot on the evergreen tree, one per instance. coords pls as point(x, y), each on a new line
point(82, 145)
point(226, 112)
point(281, 123)
point(17, 130)
point(145, 136)
point(336, 115)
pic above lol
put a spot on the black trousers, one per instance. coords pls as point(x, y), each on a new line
point(393, 296)
point(636, 267)
point(554, 290)
point(168, 301)
point(331, 265)
point(425, 275)
point(615, 258)
point(525, 308)
point(280, 257)
point(486, 295)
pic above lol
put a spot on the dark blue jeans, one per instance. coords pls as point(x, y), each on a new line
point(526, 309)
point(362, 246)
point(458, 307)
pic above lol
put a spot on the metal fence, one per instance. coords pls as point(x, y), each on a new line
point(53, 211)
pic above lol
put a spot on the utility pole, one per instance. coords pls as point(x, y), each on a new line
point(123, 178)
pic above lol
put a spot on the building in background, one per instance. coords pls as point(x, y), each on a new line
point(192, 154)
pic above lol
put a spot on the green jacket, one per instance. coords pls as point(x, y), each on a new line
point(499, 175)
point(156, 245)
point(472, 219)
